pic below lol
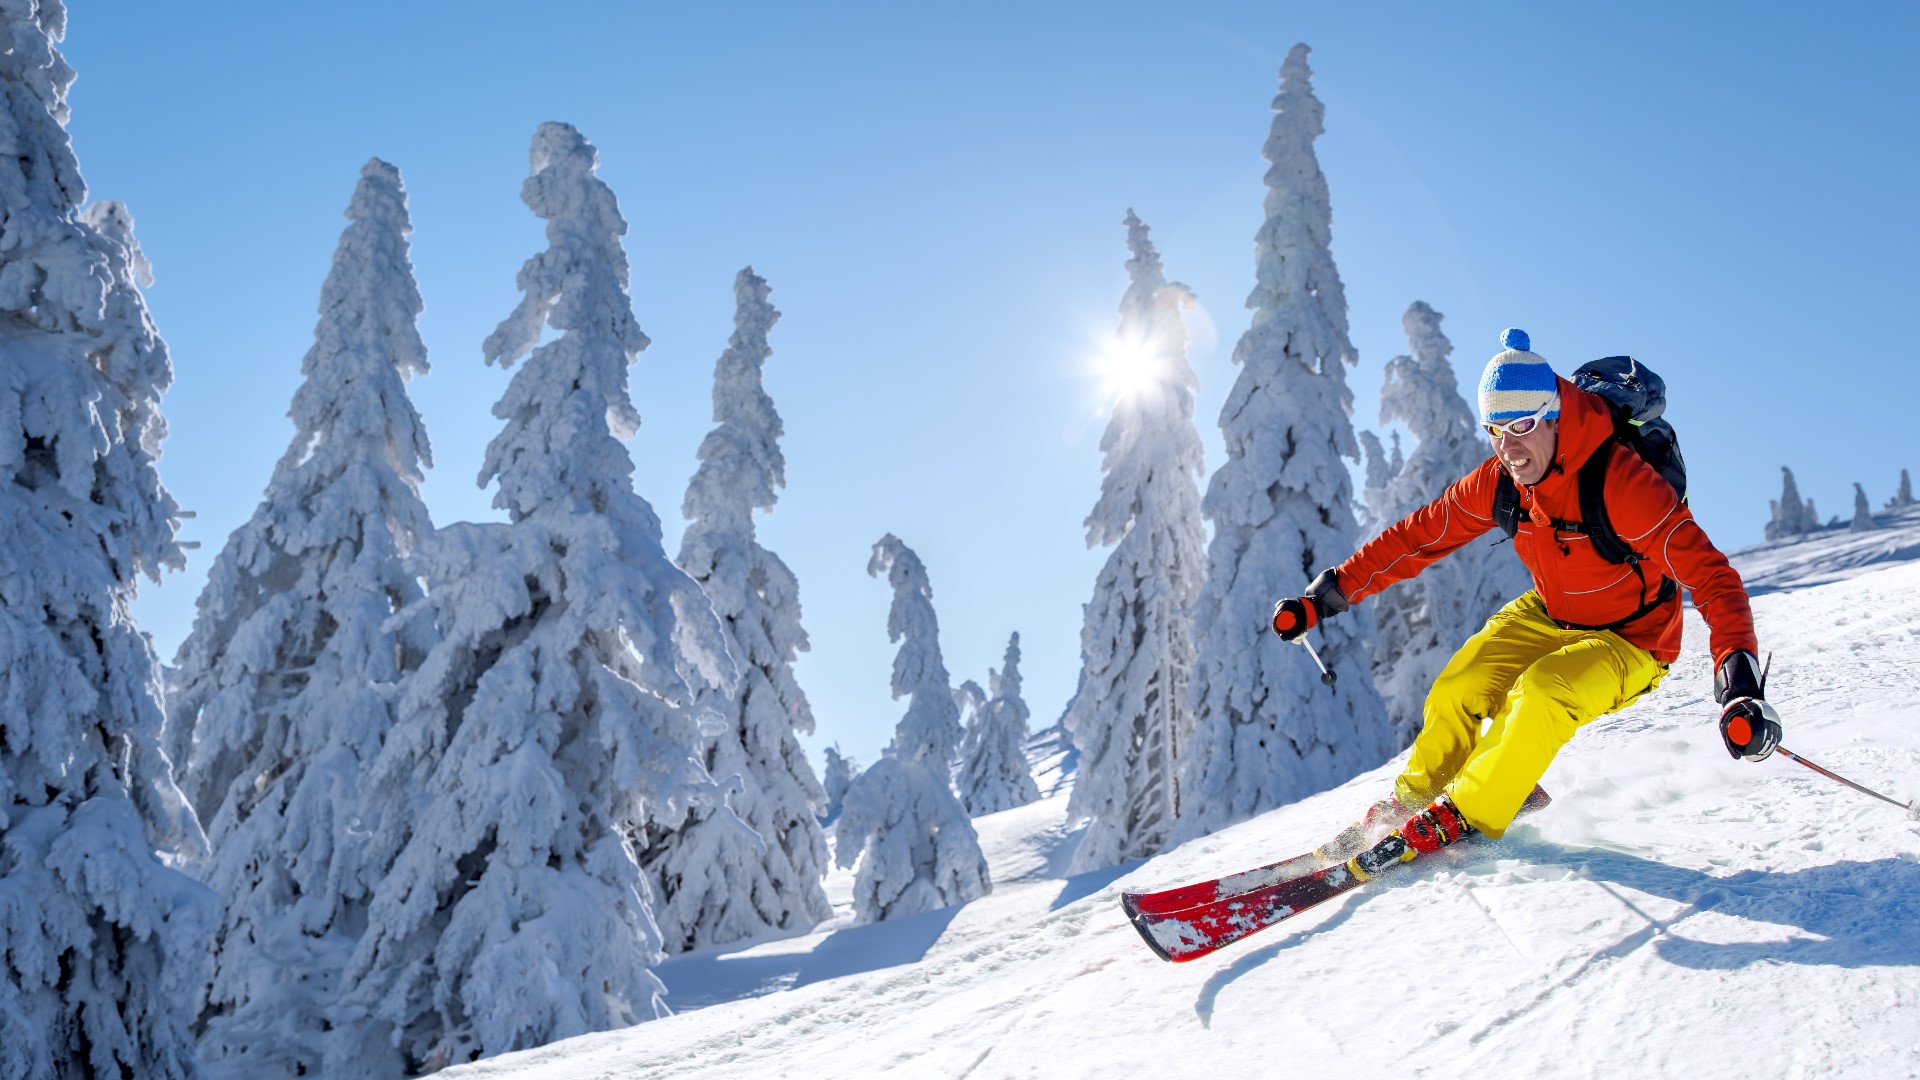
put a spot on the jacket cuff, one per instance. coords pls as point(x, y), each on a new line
point(1738, 676)
point(1325, 592)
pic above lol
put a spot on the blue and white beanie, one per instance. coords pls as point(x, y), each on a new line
point(1517, 383)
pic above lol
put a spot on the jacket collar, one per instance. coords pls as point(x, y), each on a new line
point(1585, 423)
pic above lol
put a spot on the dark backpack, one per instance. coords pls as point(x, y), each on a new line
point(1636, 397)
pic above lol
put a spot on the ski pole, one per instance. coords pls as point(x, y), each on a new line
point(1281, 611)
point(1326, 674)
point(1831, 775)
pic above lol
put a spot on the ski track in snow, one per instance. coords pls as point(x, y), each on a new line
point(1673, 913)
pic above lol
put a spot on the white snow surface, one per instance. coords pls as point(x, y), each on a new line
point(1673, 913)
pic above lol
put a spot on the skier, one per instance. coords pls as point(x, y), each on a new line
point(1590, 638)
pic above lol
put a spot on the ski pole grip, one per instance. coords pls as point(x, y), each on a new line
point(1294, 616)
point(1739, 731)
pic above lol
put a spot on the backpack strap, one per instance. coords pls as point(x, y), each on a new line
point(1594, 522)
point(1506, 510)
point(1506, 505)
point(1599, 527)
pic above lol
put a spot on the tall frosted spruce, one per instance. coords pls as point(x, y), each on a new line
point(285, 686)
point(1791, 516)
point(1266, 732)
point(1381, 469)
point(993, 773)
point(1903, 494)
point(719, 882)
point(552, 724)
point(1862, 511)
point(916, 851)
point(101, 944)
point(835, 778)
point(1130, 719)
point(1421, 622)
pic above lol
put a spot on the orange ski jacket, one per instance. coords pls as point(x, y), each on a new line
point(1580, 588)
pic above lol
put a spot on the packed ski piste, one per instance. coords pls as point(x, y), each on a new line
point(1720, 877)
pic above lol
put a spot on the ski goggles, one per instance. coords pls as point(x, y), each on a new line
point(1523, 425)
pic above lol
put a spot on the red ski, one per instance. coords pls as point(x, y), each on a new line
point(1188, 935)
point(1180, 934)
point(1181, 897)
point(1332, 853)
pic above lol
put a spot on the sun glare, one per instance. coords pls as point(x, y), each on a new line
point(1126, 368)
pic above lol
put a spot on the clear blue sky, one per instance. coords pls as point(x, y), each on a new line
point(936, 200)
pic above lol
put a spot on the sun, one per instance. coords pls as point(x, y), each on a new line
point(1127, 367)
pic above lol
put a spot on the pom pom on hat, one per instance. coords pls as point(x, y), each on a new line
point(1517, 382)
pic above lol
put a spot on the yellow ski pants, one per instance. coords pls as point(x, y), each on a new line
point(1531, 685)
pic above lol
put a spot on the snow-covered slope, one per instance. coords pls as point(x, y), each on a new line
point(1831, 554)
point(1674, 913)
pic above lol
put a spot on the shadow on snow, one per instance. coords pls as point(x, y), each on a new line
point(1850, 914)
point(1081, 886)
point(1847, 914)
point(710, 977)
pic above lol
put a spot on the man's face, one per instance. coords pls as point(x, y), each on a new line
point(1527, 457)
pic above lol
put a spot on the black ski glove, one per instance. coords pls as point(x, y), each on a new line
point(1293, 618)
point(1749, 726)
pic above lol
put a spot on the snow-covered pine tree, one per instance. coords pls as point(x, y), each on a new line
point(1266, 732)
point(553, 723)
point(101, 944)
point(1379, 470)
point(1129, 718)
point(1903, 495)
point(971, 700)
point(1791, 517)
point(1422, 621)
point(1862, 511)
point(994, 774)
point(916, 850)
point(284, 687)
point(834, 780)
point(716, 881)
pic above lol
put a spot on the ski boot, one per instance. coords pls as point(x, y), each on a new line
point(1380, 820)
point(1435, 827)
point(1427, 831)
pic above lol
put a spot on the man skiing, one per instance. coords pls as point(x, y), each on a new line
point(1589, 639)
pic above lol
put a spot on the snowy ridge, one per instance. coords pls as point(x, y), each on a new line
point(1673, 913)
point(1833, 554)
